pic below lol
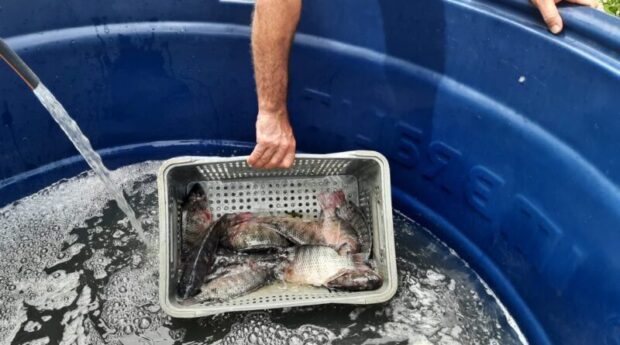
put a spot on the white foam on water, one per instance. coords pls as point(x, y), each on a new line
point(82, 144)
point(70, 257)
point(509, 319)
point(40, 341)
point(32, 326)
point(37, 237)
point(258, 328)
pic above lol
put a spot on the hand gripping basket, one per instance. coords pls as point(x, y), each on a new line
point(232, 186)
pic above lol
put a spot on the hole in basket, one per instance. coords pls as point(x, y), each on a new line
point(270, 206)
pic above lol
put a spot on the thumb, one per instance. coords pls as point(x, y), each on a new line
point(550, 14)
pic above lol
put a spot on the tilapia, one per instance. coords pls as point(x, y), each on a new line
point(196, 216)
point(329, 230)
point(238, 280)
point(251, 235)
point(361, 279)
point(337, 230)
point(351, 213)
point(226, 257)
point(324, 266)
point(201, 258)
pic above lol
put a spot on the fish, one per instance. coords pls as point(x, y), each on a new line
point(328, 230)
point(361, 279)
point(200, 262)
point(226, 257)
point(249, 235)
point(196, 216)
point(337, 231)
point(353, 214)
point(297, 230)
point(323, 266)
point(237, 281)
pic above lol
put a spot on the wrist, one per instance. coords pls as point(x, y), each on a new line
point(273, 111)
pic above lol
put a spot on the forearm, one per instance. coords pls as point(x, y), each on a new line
point(273, 30)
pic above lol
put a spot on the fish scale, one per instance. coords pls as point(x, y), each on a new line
point(316, 265)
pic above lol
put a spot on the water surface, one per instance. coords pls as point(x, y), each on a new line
point(73, 272)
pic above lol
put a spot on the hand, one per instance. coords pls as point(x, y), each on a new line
point(275, 143)
point(551, 15)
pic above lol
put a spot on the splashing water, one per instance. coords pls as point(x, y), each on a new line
point(82, 144)
point(72, 273)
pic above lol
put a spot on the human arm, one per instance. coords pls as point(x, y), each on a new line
point(273, 29)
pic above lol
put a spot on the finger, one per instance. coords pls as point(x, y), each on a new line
point(550, 14)
point(259, 150)
point(265, 158)
point(591, 3)
point(288, 160)
point(276, 160)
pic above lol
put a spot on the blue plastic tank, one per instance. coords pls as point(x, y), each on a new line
point(500, 135)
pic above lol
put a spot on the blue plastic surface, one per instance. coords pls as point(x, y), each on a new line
point(501, 136)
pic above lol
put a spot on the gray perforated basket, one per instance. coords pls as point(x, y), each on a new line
point(232, 186)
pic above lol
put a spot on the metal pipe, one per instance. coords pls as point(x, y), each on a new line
point(18, 65)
